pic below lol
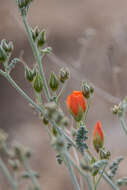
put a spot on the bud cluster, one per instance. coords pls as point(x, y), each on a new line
point(58, 143)
point(34, 76)
point(21, 151)
point(54, 113)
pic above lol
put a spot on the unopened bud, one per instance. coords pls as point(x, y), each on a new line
point(63, 74)
point(35, 33)
point(115, 109)
point(23, 6)
point(41, 38)
point(3, 55)
point(38, 85)
point(28, 74)
point(15, 164)
point(53, 81)
point(98, 136)
point(45, 121)
point(58, 143)
point(10, 47)
point(86, 90)
point(4, 44)
point(65, 121)
point(104, 154)
point(46, 50)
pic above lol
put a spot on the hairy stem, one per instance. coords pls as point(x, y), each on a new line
point(37, 57)
point(61, 92)
point(33, 178)
point(98, 180)
point(124, 126)
point(7, 174)
point(69, 167)
point(81, 172)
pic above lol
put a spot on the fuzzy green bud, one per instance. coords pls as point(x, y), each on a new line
point(28, 74)
point(46, 50)
point(64, 74)
point(15, 164)
point(38, 85)
point(10, 47)
point(23, 6)
point(41, 39)
point(85, 90)
point(65, 121)
point(35, 33)
point(58, 143)
point(4, 45)
point(45, 121)
point(3, 55)
point(53, 81)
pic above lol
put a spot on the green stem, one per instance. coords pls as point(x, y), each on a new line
point(8, 176)
point(33, 178)
point(96, 184)
point(80, 171)
point(68, 165)
point(124, 126)
point(87, 109)
point(39, 101)
point(61, 92)
point(109, 181)
point(37, 57)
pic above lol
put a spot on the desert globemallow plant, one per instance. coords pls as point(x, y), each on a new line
point(69, 142)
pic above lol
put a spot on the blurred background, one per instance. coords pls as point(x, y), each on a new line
point(90, 38)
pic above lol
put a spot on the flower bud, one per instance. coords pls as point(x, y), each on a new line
point(87, 90)
point(58, 143)
point(15, 164)
point(3, 55)
point(46, 50)
point(65, 121)
point(63, 74)
point(28, 74)
point(76, 105)
point(41, 39)
point(10, 47)
point(45, 121)
point(35, 33)
point(23, 6)
point(4, 44)
point(53, 81)
point(38, 85)
point(98, 136)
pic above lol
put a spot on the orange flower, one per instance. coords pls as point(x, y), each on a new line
point(76, 104)
point(98, 136)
